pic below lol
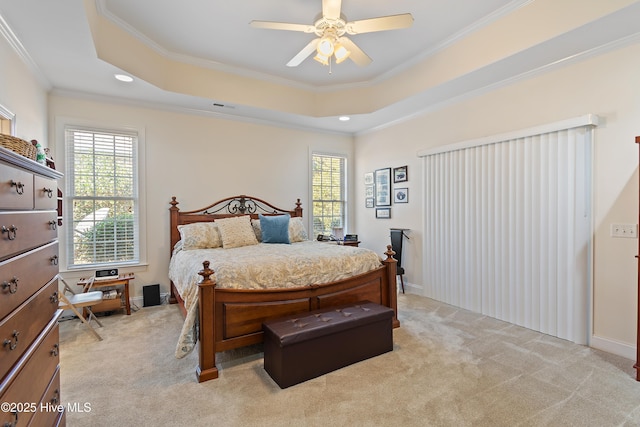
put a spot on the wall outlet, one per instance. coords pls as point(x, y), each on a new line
point(624, 230)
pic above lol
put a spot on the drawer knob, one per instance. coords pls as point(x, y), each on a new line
point(19, 186)
point(12, 285)
point(54, 350)
point(13, 342)
point(54, 298)
point(11, 232)
point(15, 420)
point(53, 225)
point(48, 191)
point(56, 397)
point(54, 260)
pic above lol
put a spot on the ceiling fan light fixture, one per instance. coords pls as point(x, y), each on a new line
point(325, 47)
point(321, 58)
point(341, 53)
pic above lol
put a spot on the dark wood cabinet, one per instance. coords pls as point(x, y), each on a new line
point(29, 312)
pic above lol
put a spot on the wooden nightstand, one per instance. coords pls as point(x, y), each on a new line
point(116, 303)
point(351, 243)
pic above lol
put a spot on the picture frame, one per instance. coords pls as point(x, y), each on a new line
point(369, 191)
point(383, 213)
point(368, 178)
point(401, 195)
point(369, 202)
point(400, 174)
point(382, 180)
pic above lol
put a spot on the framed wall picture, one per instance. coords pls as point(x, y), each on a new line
point(383, 187)
point(400, 195)
point(400, 174)
point(369, 202)
point(383, 213)
point(369, 191)
point(368, 178)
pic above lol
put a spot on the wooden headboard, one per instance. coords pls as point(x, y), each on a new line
point(231, 206)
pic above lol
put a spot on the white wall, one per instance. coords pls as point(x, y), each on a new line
point(607, 86)
point(24, 95)
point(200, 160)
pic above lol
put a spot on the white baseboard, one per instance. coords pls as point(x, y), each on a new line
point(613, 347)
point(410, 288)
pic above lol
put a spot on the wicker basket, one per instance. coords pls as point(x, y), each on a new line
point(18, 145)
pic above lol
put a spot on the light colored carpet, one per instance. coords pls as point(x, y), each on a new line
point(449, 367)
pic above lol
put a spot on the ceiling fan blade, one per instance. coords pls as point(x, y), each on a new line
point(383, 23)
point(357, 55)
point(305, 28)
point(304, 53)
point(331, 9)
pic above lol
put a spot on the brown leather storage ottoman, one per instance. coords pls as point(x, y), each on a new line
point(298, 348)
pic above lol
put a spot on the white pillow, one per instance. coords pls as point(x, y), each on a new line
point(200, 235)
point(297, 232)
point(236, 232)
point(255, 224)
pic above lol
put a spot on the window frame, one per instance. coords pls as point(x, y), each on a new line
point(139, 193)
point(345, 194)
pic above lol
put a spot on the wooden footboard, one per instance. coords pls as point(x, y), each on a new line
point(233, 318)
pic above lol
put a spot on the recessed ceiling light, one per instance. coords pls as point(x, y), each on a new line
point(124, 78)
point(344, 118)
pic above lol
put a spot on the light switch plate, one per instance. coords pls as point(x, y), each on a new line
point(624, 230)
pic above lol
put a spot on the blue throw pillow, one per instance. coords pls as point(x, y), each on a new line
point(275, 229)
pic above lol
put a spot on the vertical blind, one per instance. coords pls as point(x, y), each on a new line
point(507, 227)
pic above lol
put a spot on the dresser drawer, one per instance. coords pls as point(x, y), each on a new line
point(22, 276)
point(21, 231)
point(45, 193)
point(16, 188)
point(49, 407)
point(28, 383)
point(19, 329)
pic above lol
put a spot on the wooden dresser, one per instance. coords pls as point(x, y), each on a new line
point(29, 370)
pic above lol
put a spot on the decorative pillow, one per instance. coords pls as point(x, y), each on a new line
point(200, 235)
point(274, 229)
point(297, 232)
point(236, 232)
point(255, 223)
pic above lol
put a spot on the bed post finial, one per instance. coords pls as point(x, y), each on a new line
point(298, 209)
point(206, 273)
point(173, 203)
point(390, 252)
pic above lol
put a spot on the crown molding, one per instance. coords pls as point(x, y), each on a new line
point(22, 53)
point(192, 111)
point(573, 59)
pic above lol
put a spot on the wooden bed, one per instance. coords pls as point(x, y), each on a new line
point(231, 318)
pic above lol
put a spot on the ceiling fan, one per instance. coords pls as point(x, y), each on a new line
point(331, 28)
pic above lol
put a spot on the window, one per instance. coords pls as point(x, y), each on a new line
point(102, 197)
point(329, 198)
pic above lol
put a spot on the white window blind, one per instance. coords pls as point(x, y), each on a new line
point(102, 197)
point(329, 196)
point(508, 227)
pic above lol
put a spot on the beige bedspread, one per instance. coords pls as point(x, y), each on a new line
point(262, 266)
